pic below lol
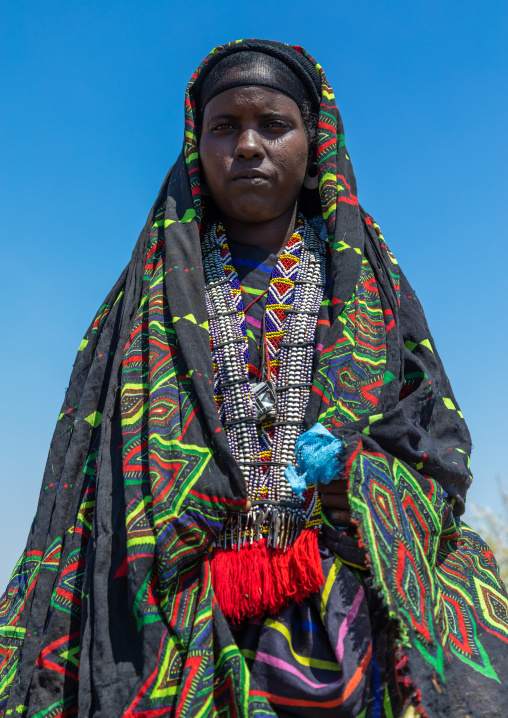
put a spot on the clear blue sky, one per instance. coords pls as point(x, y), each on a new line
point(92, 97)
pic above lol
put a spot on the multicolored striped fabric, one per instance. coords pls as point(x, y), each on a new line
point(111, 609)
point(327, 655)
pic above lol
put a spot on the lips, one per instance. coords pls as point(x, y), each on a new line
point(251, 181)
point(253, 176)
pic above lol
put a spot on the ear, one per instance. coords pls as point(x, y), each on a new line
point(312, 165)
point(311, 180)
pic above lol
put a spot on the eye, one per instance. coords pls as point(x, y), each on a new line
point(277, 125)
point(224, 125)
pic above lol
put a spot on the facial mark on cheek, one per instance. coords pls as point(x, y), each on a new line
point(288, 151)
point(292, 162)
point(214, 160)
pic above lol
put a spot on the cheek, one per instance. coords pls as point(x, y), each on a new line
point(214, 162)
point(291, 158)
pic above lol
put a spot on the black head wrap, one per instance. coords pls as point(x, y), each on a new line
point(252, 68)
point(259, 62)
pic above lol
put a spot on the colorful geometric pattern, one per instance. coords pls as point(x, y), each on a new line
point(12, 603)
point(170, 526)
point(437, 577)
point(351, 371)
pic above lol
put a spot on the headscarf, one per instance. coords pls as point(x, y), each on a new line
point(245, 68)
point(114, 586)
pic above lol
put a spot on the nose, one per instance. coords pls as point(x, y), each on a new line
point(249, 146)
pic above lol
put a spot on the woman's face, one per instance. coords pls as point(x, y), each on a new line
point(254, 153)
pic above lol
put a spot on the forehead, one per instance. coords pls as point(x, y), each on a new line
point(250, 99)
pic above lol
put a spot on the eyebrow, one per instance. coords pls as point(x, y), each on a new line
point(222, 116)
point(261, 115)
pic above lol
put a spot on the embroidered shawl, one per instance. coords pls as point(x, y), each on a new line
point(110, 610)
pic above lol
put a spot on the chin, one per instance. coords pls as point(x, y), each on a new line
point(252, 211)
point(253, 217)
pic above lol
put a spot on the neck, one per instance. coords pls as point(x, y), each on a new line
point(271, 235)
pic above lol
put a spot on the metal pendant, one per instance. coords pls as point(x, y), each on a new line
point(279, 525)
point(265, 401)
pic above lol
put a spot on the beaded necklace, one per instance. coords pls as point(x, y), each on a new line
point(264, 450)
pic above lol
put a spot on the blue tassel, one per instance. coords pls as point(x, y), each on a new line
point(319, 457)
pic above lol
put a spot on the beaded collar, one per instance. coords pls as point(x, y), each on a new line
point(264, 451)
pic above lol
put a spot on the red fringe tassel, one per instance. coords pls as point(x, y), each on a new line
point(256, 579)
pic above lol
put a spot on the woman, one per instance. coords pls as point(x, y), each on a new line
point(252, 499)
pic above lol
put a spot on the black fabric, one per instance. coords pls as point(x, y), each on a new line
point(120, 628)
point(315, 634)
point(297, 73)
point(252, 68)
